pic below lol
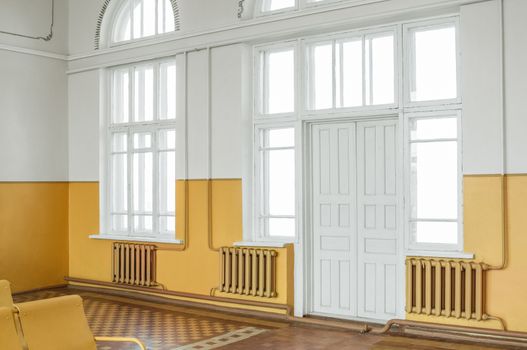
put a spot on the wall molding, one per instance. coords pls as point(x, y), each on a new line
point(46, 37)
point(40, 53)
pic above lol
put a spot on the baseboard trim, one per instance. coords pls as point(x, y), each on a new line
point(54, 286)
point(163, 296)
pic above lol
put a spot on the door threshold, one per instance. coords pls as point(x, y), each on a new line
point(341, 318)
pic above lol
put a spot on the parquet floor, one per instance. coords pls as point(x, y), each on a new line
point(168, 327)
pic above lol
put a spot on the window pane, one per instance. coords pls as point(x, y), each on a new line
point(121, 96)
point(142, 140)
point(138, 18)
point(350, 63)
point(167, 90)
point(281, 175)
point(279, 227)
point(165, 16)
point(142, 182)
point(434, 180)
point(167, 224)
point(119, 142)
point(434, 71)
point(382, 70)
point(143, 223)
point(434, 232)
point(434, 128)
point(280, 87)
point(167, 182)
point(122, 28)
point(321, 80)
point(149, 17)
point(119, 183)
point(273, 5)
point(144, 94)
point(280, 137)
point(167, 139)
point(119, 223)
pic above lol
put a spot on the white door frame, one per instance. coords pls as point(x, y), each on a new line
point(303, 302)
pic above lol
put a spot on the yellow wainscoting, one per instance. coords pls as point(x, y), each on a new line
point(483, 223)
point(33, 234)
point(194, 270)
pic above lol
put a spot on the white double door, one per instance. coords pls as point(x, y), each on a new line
point(355, 261)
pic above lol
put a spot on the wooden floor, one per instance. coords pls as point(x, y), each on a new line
point(169, 327)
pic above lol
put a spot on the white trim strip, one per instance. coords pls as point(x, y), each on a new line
point(110, 237)
point(33, 52)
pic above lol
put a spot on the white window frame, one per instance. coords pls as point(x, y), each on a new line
point(107, 129)
point(260, 81)
point(411, 244)
point(260, 179)
point(301, 5)
point(116, 11)
point(409, 60)
point(333, 38)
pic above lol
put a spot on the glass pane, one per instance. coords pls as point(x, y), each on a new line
point(119, 183)
point(280, 87)
point(149, 17)
point(167, 224)
point(280, 137)
point(434, 232)
point(165, 16)
point(167, 182)
point(279, 227)
point(322, 77)
point(350, 62)
point(433, 128)
point(142, 182)
point(142, 140)
point(273, 5)
point(281, 177)
point(143, 223)
point(121, 96)
point(122, 28)
point(434, 180)
point(167, 139)
point(144, 94)
point(119, 223)
point(119, 142)
point(138, 18)
point(167, 90)
point(434, 73)
point(382, 70)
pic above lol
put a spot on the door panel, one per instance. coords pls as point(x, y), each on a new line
point(334, 218)
point(377, 219)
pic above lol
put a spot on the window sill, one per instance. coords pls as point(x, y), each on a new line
point(262, 244)
point(110, 237)
point(435, 254)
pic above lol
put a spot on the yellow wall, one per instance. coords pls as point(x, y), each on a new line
point(483, 219)
point(195, 270)
point(33, 234)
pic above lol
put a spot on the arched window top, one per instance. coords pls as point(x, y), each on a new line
point(127, 20)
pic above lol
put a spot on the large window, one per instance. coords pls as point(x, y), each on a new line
point(276, 169)
point(434, 180)
point(142, 18)
point(365, 73)
point(141, 151)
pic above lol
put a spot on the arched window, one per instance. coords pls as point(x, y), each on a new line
point(124, 20)
point(134, 19)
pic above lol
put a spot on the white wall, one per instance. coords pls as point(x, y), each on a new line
point(83, 122)
point(33, 97)
point(515, 12)
point(480, 37)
